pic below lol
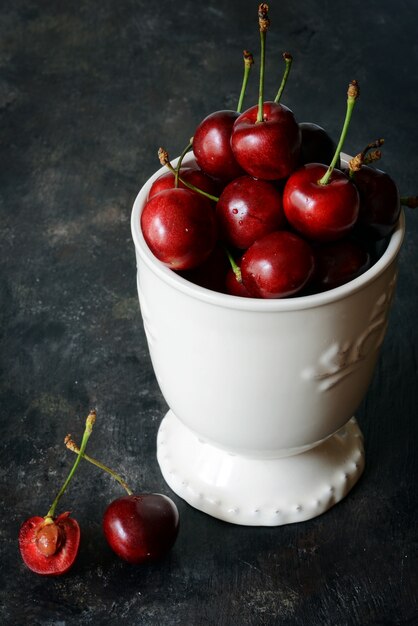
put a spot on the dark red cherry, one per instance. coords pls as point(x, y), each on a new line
point(141, 528)
point(247, 210)
point(277, 266)
point(380, 204)
point(179, 227)
point(317, 146)
point(338, 263)
point(49, 547)
point(320, 212)
point(191, 175)
point(212, 272)
point(212, 148)
point(269, 149)
point(234, 287)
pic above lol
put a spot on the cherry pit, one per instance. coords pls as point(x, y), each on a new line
point(270, 196)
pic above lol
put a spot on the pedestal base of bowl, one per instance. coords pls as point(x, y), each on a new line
point(254, 491)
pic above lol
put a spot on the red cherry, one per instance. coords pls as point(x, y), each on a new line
point(234, 287)
point(277, 265)
point(247, 210)
point(317, 211)
point(317, 146)
point(269, 149)
point(49, 548)
point(179, 227)
point(211, 273)
point(339, 262)
point(191, 175)
point(141, 528)
point(211, 146)
point(380, 204)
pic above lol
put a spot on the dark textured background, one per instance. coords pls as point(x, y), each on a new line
point(88, 91)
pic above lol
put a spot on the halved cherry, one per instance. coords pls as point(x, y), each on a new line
point(49, 545)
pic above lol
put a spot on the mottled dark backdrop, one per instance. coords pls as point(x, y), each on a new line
point(88, 91)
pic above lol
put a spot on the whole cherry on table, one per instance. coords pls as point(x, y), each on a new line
point(139, 528)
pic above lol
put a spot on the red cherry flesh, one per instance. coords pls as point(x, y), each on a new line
point(179, 227)
point(320, 212)
point(277, 266)
point(269, 149)
point(141, 528)
point(191, 175)
point(247, 210)
point(212, 148)
point(49, 549)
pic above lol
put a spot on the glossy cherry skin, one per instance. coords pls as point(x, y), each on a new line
point(320, 212)
point(49, 557)
point(248, 209)
point(278, 265)
point(141, 528)
point(380, 205)
point(317, 146)
point(270, 149)
point(191, 175)
point(179, 227)
point(338, 263)
point(212, 147)
point(233, 287)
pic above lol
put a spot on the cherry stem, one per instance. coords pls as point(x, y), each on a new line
point(374, 155)
point(91, 418)
point(235, 268)
point(264, 23)
point(288, 60)
point(180, 161)
point(378, 143)
point(410, 201)
point(352, 96)
point(365, 157)
point(248, 62)
point(71, 445)
point(164, 160)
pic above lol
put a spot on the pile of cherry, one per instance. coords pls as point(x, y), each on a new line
point(265, 211)
point(139, 528)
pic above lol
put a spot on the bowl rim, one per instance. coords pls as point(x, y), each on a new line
point(255, 304)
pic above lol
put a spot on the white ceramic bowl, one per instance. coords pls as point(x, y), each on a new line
point(262, 392)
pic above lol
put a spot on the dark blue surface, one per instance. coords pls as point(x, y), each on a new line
point(88, 92)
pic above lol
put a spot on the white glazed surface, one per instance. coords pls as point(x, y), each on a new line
point(260, 379)
point(271, 492)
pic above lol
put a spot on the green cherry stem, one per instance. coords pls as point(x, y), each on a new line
point(352, 96)
point(180, 161)
point(235, 268)
point(91, 418)
point(71, 445)
point(164, 160)
point(288, 59)
point(264, 22)
point(248, 63)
